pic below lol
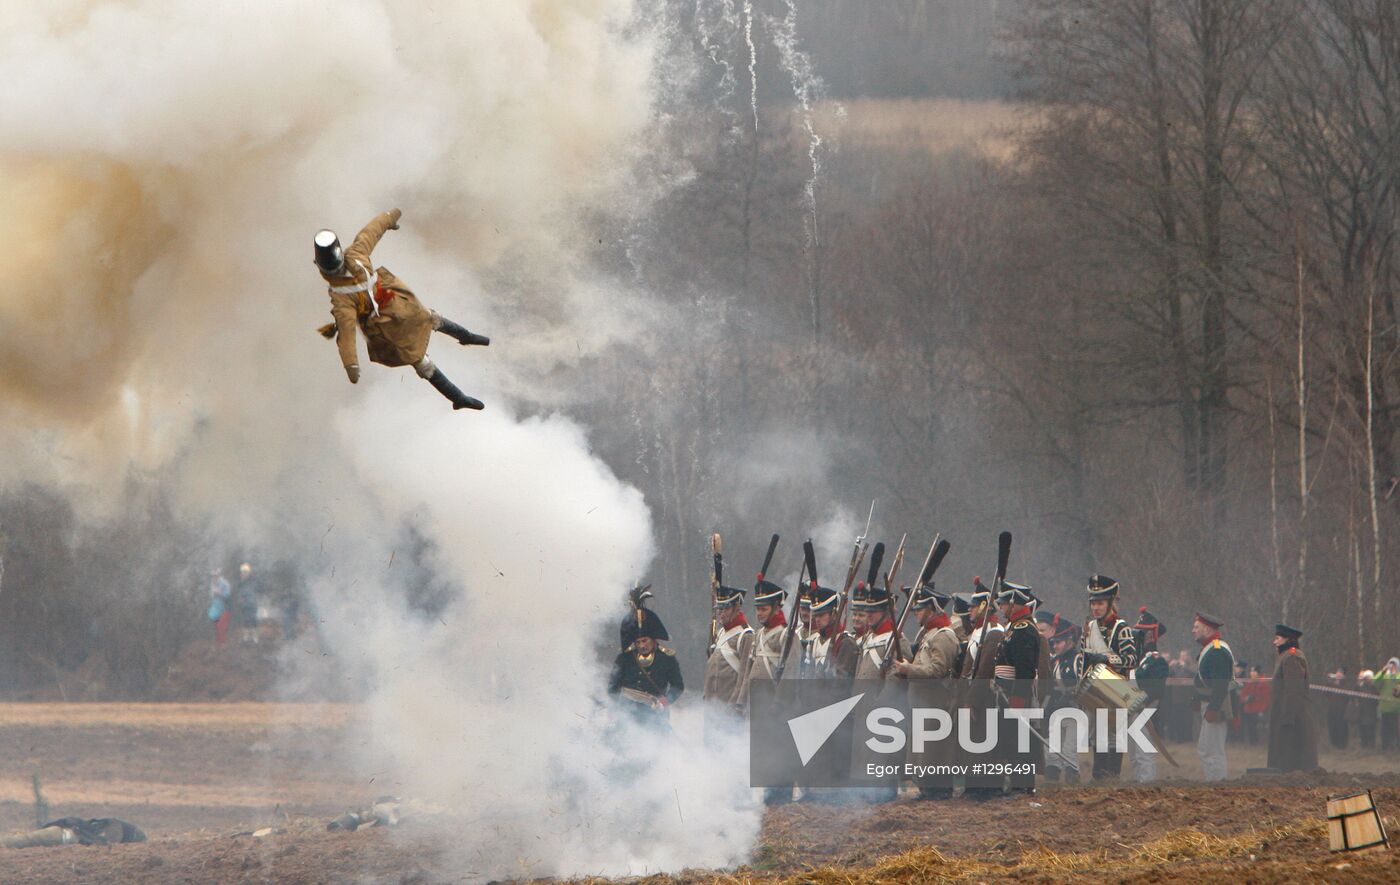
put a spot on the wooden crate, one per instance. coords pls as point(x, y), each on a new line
point(1353, 824)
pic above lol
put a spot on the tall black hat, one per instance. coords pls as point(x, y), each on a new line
point(824, 599)
point(727, 596)
point(1063, 629)
point(329, 256)
point(768, 593)
point(869, 597)
point(1102, 587)
point(1148, 629)
point(928, 597)
point(1015, 594)
point(962, 603)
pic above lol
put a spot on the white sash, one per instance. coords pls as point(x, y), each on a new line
point(731, 656)
point(369, 285)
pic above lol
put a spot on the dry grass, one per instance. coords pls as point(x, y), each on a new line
point(251, 714)
point(928, 864)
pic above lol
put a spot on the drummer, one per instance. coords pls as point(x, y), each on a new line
point(1108, 643)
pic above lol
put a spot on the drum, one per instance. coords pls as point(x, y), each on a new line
point(1102, 687)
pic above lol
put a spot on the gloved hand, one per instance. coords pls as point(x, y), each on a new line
point(1212, 716)
point(352, 371)
point(1092, 658)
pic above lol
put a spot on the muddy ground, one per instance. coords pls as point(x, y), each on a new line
point(200, 777)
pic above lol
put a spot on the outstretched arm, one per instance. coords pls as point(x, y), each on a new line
point(367, 239)
point(345, 319)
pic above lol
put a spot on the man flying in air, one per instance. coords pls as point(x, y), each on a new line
point(395, 323)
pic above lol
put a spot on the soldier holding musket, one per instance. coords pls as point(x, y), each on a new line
point(979, 670)
point(733, 645)
point(873, 617)
point(932, 679)
point(833, 650)
point(765, 653)
point(1108, 640)
point(1151, 676)
point(1065, 671)
point(1021, 660)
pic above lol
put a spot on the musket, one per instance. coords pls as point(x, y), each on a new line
point(936, 553)
point(1003, 557)
point(857, 556)
point(716, 578)
point(792, 621)
point(767, 561)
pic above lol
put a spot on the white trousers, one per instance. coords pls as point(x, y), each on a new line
point(1144, 764)
point(1210, 746)
point(1069, 747)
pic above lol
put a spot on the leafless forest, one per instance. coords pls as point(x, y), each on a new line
point(1117, 275)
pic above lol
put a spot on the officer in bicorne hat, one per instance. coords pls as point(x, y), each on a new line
point(1292, 730)
point(1108, 641)
point(645, 675)
point(932, 679)
point(395, 323)
point(1215, 673)
point(733, 646)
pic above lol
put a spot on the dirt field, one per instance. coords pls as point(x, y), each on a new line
point(200, 777)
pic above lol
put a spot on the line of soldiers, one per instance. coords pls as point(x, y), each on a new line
point(975, 652)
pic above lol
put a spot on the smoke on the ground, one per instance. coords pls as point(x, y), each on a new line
point(163, 166)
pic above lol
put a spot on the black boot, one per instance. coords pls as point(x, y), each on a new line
point(459, 399)
point(447, 327)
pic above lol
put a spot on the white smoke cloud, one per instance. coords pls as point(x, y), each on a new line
point(164, 165)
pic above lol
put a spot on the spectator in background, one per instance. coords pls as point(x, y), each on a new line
point(219, 593)
point(1364, 712)
point(1388, 687)
point(247, 603)
point(1185, 664)
point(1180, 717)
point(1254, 696)
point(1338, 710)
point(1236, 733)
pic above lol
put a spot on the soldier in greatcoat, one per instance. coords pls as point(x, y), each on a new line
point(1292, 730)
point(932, 680)
point(395, 323)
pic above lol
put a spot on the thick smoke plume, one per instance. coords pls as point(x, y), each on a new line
point(164, 166)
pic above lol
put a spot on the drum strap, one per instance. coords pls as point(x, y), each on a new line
point(1094, 640)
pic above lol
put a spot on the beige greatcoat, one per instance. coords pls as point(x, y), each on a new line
point(725, 666)
point(762, 665)
point(397, 335)
point(933, 684)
